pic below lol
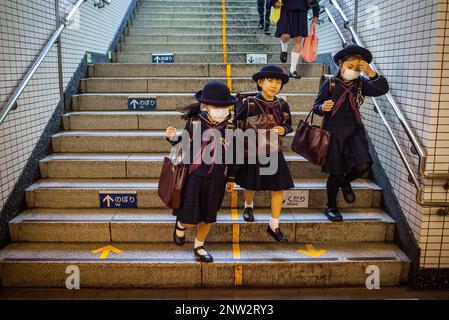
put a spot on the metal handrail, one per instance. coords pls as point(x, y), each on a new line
point(11, 104)
point(422, 156)
point(413, 178)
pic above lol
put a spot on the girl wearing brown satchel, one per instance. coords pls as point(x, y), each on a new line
point(270, 80)
point(339, 101)
point(205, 184)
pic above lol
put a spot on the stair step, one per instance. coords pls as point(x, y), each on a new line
point(135, 120)
point(126, 70)
point(170, 84)
point(84, 193)
point(196, 57)
point(167, 101)
point(198, 22)
point(202, 2)
point(202, 38)
point(137, 225)
point(191, 9)
point(137, 165)
point(167, 265)
point(198, 15)
point(195, 47)
point(215, 30)
point(120, 141)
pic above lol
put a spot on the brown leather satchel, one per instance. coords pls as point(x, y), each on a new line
point(171, 181)
point(311, 142)
point(263, 121)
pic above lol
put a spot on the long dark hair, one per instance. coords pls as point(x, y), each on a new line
point(190, 111)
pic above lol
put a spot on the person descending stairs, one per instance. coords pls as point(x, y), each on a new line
point(95, 206)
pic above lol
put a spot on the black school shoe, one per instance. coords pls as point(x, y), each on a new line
point(333, 214)
point(261, 21)
point(203, 258)
point(248, 215)
point(348, 193)
point(294, 75)
point(277, 235)
point(266, 29)
point(283, 56)
point(179, 240)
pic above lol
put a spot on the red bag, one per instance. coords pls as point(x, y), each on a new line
point(309, 50)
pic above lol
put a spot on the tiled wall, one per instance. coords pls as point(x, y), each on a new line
point(25, 26)
point(409, 42)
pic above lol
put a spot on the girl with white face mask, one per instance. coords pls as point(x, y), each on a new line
point(206, 181)
point(339, 102)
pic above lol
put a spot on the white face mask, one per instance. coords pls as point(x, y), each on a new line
point(350, 75)
point(218, 114)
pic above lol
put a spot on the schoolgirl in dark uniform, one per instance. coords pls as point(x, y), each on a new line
point(293, 23)
point(205, 184)
point(270, 81)
point(339, 101)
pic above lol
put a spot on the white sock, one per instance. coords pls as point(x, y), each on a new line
point(251, 205)
point(199, 244)
point(295, 59)
point(180, 233)
point(284, 46)
point(274, 223)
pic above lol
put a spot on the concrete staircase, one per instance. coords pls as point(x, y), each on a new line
point(105, 147)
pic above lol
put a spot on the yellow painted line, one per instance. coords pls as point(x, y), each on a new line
point(228, 76)
point(236, 250)
point(223, 31)
point(235, 227)
point(238, 274)
point(235, 233)
point(234, 202)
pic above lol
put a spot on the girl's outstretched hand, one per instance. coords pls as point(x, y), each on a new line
point(279, 130)
point(230, 186)
point(170, 132)
point(327, 106)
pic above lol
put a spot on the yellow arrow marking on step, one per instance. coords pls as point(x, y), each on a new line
point(312, 252)
point(105, 251)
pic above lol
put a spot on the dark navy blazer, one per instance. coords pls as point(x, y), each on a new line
point(302, 5)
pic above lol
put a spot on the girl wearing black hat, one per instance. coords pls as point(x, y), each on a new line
point(270, 81)
point(293, 23)
point(339, 101)
point(205, 183)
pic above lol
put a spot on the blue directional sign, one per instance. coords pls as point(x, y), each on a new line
point(142, 104)
point(118, 200)
point(163, 58)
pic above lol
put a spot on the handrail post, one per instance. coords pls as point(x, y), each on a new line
point(59, 53)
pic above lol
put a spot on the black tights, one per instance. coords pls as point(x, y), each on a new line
point(335, 181)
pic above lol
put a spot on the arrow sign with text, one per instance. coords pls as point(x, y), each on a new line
point(142, 103)
point(106, 251)
point(259, 58)
point(163, 58)
point(311, 251)
point(118, 200)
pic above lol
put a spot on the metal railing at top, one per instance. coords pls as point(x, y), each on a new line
point(417, 148)
point(12, 104)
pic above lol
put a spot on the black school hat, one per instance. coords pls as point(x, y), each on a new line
point(271, 71)
point(353, 49)
point(216, 93)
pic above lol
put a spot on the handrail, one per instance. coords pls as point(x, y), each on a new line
point(422, 156)
point(414, 179)
point(11, 104)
